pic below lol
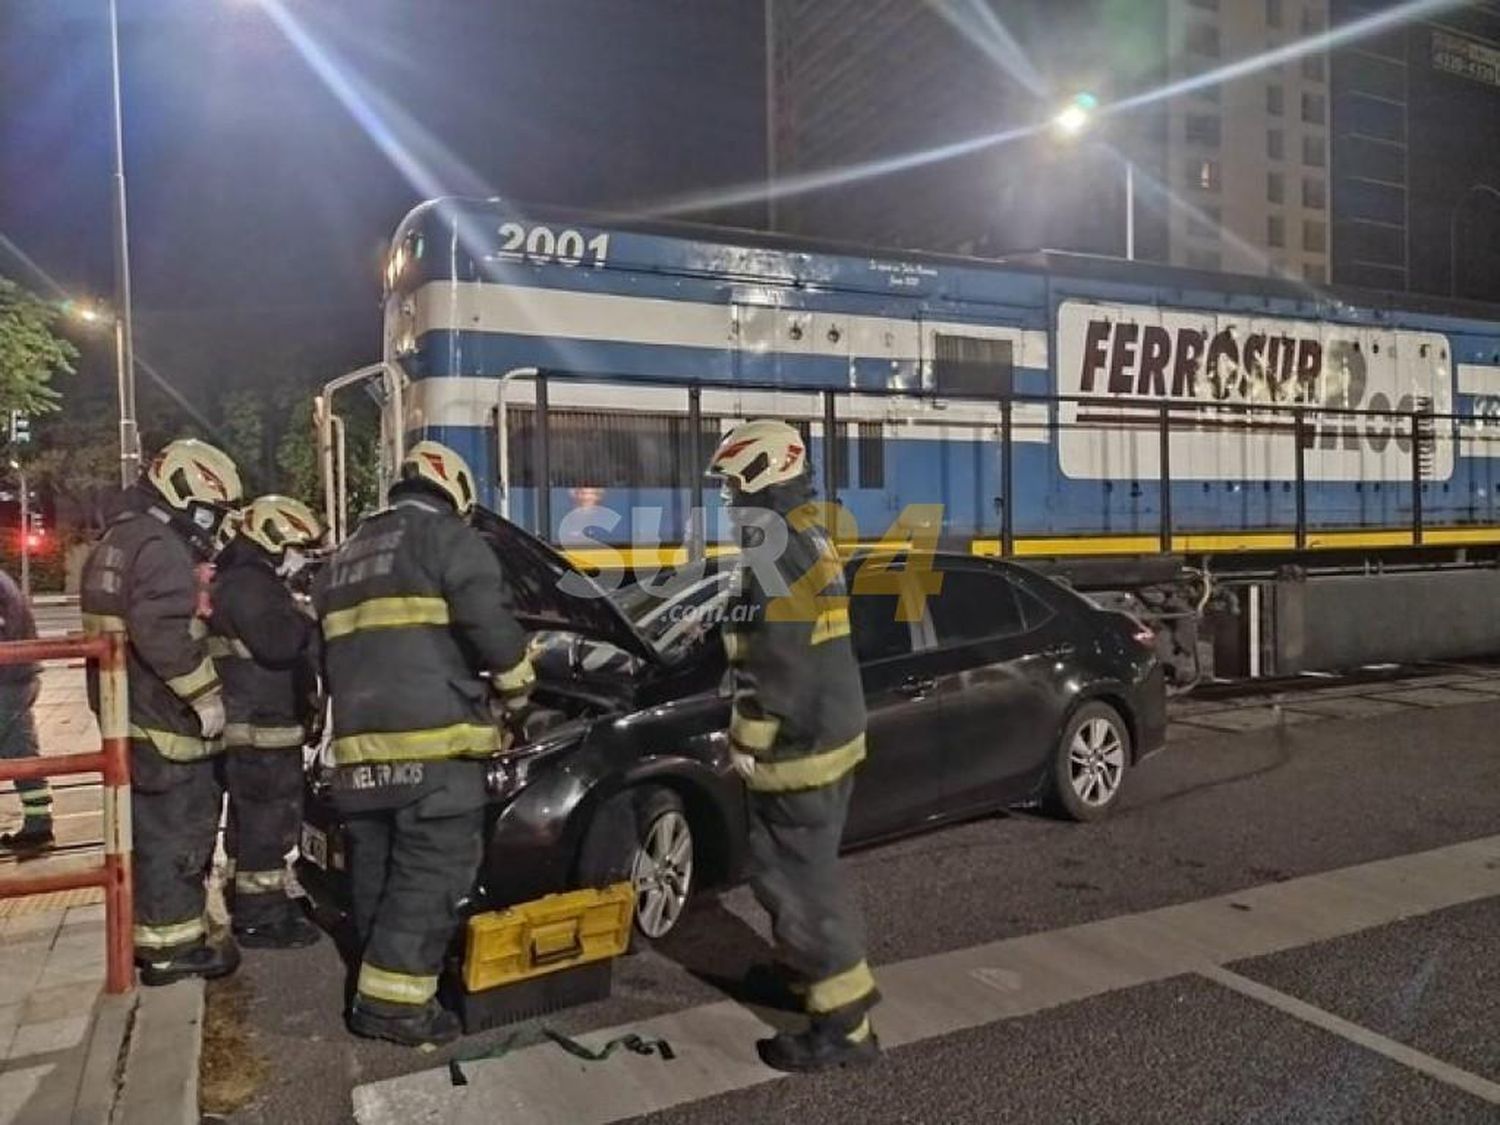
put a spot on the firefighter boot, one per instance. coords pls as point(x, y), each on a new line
point(32, 838)
point(823, 1046)
point(291, 931)
point(773, 985)
point(430, 1023)
point(207, 961)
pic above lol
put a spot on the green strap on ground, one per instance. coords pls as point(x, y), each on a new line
point(635, 1044)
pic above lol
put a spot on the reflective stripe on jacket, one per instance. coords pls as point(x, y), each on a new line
point(799, 706)
point(413, 608)
point(141, 579)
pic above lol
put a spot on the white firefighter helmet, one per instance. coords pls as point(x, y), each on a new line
point(434, 464)
point(757, 455)
point(188, 472)
point(275, 523)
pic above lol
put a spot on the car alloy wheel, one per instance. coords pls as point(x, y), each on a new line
point(1096, 761)
point(663, 873)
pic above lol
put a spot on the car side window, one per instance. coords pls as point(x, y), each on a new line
point(975, 605)
point(1036, 612)
point(878, 635)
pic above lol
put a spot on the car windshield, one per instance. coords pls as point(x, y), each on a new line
point(676, 608)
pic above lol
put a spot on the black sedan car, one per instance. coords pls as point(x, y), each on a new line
point(1009, 689)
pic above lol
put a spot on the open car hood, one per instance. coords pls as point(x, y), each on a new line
point(552, 593)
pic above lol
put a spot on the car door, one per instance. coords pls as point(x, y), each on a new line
point(997, 658)
point(904, 777)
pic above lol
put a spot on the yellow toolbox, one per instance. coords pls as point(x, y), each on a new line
point(540, 956)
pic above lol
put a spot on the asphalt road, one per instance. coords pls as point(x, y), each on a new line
point(1218, 812)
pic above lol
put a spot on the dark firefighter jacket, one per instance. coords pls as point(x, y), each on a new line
point(799, 707)
point(413, 608)
point(265, 650)
point(17, 623)
point(142, 579)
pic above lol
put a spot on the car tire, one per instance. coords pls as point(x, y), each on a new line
point(1090, 764)
point(643, 836)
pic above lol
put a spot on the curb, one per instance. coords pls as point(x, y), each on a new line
point(98, 1085)
point(160, 1081)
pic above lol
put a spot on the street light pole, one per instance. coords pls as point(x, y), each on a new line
point(1072, 120)
point(770, 30)
point(25, 529)
point(1482, 189)
point(130, 445)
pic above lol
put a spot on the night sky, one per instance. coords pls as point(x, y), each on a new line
point(259, 207)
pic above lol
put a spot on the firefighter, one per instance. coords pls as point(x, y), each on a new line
point(20, 684)
point(265, 649)
point(142, 580)
point(420, 649)
point(796, 734)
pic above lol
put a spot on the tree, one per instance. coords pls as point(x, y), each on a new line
point(244, 420)
point(30, 352)
point(82, 471)
point(297, 456)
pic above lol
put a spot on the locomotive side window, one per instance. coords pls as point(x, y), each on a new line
point(969, 366)
point(609, 449)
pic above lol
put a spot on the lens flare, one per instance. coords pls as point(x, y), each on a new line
point(979, 24)
point(823, 179)
point(1327, 40)
point(61, 294)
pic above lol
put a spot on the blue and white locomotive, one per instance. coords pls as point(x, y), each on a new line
point(1055, 407)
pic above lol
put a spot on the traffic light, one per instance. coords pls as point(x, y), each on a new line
point(36, 534)
point(20, 428)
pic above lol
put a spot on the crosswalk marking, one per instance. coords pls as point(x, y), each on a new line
point(1444, 1072)
point(946, 992)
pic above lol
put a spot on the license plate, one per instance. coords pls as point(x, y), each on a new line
point(314, 846)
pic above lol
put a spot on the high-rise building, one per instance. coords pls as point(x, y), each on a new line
point(1229, 176)
point(1247, 160)
point(1416, 154)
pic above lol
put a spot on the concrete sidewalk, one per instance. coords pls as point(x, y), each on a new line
point(62, 1038)
point(69, 1053)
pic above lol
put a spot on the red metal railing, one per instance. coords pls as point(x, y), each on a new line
point(113, 762)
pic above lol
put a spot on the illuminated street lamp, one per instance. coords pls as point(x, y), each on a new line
point(94, 314)
point(1075, 117)
point(91, 314)
point(1071, 122)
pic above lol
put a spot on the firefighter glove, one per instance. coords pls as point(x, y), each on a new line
point(210, 710)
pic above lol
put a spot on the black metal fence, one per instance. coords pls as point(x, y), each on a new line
point(1422, 429)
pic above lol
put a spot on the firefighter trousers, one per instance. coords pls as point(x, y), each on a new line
point(410, 871)
point(265, 818)
point(175, 813)
point(18, 740)
point(794, 872)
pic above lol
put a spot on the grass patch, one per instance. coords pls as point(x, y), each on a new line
point(231, 1070)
